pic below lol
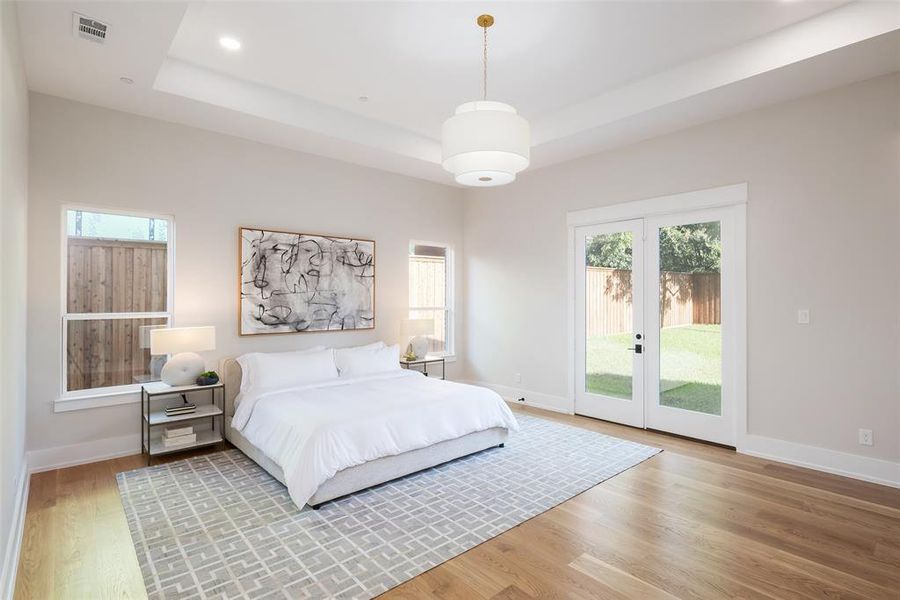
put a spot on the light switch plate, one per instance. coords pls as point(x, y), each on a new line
point(803, 316)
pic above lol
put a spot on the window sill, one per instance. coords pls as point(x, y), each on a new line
point(70, 403)
point(99, 399)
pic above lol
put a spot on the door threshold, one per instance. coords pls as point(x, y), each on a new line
point(661, 432)
point(692, 439)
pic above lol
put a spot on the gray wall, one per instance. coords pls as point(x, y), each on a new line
point(823, 231)
point(212, 184)
point(13, 301)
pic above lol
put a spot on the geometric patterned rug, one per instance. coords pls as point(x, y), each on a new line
point(219, 526)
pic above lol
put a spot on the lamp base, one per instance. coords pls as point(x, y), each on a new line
point(182, 369)
point(419, 346)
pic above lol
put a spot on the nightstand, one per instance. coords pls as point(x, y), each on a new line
point(425, 361)
point(153, 415)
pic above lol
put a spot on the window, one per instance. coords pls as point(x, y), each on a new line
point(117, 287)
point(431, 292)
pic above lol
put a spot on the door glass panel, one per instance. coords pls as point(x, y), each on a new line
point(690, 357)
point(609, 315)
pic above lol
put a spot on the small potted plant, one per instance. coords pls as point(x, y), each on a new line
point(208, 378)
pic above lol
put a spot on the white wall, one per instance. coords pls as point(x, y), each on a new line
point(823, 234)
point(212, 184)
point(13, 210)
point(824, 220)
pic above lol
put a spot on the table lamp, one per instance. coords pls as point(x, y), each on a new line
point(183, 342)
point(418, 329)
point(156, 362)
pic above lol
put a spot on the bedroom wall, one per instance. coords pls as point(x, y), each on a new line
point(13, 211)
point(823, 226)
point(212, 184)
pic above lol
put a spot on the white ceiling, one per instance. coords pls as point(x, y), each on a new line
point(589, 75)
point(417, 62)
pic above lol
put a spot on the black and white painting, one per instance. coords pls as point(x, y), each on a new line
point(293, 282)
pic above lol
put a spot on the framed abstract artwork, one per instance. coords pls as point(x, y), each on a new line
point(302, 282)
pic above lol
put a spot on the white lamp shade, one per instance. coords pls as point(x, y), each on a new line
point(144, 334)
point(417, 326)
point(485, 143)
point(182, 339)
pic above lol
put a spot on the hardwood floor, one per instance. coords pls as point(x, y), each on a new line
point(696, 521)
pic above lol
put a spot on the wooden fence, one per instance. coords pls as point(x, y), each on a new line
point(112, 276)
point(686, 299)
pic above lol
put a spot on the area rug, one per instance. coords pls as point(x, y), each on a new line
point(219, 526)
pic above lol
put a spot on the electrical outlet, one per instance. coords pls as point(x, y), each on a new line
point(866, 437)
point(517, 378)
point(803, 316)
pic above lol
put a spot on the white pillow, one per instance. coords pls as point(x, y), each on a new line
point(278, 370)
point(341, 354)
point(368, 361)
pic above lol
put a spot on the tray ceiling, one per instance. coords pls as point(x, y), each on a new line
point(589, 75)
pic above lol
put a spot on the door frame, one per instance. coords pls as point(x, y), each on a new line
point(733, 196)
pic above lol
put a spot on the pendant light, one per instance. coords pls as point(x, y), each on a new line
point(485, 143)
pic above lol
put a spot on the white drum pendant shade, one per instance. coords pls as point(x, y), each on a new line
point(485, 143)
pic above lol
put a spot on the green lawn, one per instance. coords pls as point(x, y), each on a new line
point(690, 367)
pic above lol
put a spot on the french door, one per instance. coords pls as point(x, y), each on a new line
point(609, 348)
point(654, 333)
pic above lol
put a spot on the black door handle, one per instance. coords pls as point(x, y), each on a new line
point(638, 348)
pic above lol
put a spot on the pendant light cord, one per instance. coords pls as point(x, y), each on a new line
point(484, 82)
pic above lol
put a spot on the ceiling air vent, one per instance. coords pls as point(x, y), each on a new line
point(89, 29)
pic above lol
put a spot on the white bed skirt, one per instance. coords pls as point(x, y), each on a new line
point(381, 470)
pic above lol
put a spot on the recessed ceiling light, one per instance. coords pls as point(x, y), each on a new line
point(126, 80)
point(229, 43)
point(363, 98)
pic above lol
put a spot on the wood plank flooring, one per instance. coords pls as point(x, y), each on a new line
point(696, 521)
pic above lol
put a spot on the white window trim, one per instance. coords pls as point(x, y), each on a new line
point(449, 296)
point(114, 395)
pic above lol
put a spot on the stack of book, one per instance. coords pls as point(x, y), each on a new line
point(178, 435)
point(181, 409)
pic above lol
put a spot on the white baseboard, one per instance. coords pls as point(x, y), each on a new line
point(874, 470)
point(46, 459)
point(16, 530)
point(559, 404)
point(865, 468)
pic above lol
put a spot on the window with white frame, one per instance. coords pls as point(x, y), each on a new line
point(431, 292)
point(117, 275)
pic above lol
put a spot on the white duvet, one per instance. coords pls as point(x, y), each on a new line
point(312, 432)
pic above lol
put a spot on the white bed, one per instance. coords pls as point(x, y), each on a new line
point(327, 439)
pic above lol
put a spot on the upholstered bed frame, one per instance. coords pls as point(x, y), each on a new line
point(367, 474)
